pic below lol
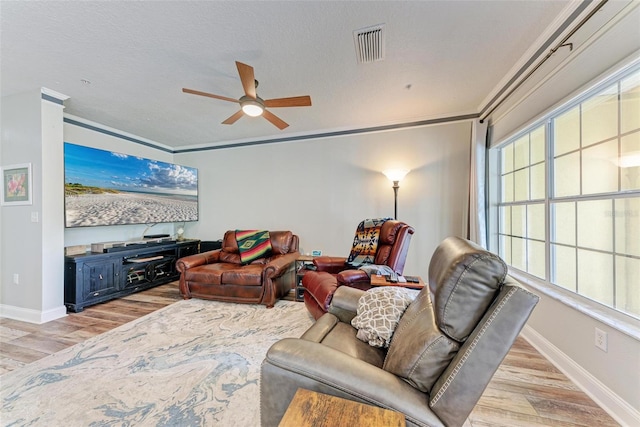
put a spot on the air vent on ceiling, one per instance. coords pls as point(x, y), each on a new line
point(369, 43)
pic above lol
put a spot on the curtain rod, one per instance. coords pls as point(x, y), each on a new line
point(561, 44)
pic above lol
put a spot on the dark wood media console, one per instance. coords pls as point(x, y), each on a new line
point(92, 278)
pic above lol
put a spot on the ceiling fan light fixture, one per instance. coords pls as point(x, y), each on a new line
point(251, 104)
point(252, 107)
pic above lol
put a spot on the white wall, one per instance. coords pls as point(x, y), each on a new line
point(21, 140)
point(570, 332)
point(321, 189)
point(561, 331)
point(32, 247)
point(48, 176)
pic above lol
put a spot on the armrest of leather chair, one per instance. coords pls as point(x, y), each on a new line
point(460, 386)
point(293, 363)
point(351, 277)
point(183, 264)
point(344, 304)
point(279, 264)
point(330, 264)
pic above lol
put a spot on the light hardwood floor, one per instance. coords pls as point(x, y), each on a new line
point(527, 390)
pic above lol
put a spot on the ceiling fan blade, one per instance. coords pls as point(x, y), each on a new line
point(210, 95)
point(248, 79)
point(231, 120)
point(275, 120)
point(293, 101)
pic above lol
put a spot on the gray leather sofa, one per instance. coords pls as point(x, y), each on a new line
point(441, 357)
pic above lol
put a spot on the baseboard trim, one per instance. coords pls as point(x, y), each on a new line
point(32, 316)
point(614, 405)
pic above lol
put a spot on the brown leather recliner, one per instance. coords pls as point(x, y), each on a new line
point(443, 353)
point(220, 275)
point(331, 272)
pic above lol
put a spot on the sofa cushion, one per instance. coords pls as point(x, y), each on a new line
point(208, 273)
point(378, 313)
point(229, 243)
point(388, 235)
point(282, 242)
point(246, 275)
point(230, 257)
point(331, 332)
point(419, 352)
point(465, 279)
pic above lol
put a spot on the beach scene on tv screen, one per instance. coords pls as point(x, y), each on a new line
point(108, 188)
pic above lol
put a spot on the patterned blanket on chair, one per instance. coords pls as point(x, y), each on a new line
point(365, 243)
point(253, 244)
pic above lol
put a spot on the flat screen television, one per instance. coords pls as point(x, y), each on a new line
point(104, 188)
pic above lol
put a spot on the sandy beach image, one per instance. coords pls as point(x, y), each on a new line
point(86, 210)
point(104, 188)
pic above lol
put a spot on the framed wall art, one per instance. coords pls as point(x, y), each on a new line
point(16, 185)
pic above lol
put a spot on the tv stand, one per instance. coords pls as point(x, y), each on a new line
point(96, 277)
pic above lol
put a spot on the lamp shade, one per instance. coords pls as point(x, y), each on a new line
point(395, 174)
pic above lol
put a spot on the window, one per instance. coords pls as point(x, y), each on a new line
point(569, 210)
point(522, 217)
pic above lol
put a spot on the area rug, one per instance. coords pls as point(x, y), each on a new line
point(193, 363)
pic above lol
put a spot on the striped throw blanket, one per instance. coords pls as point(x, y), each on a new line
point(253, 244)
point(365, 243)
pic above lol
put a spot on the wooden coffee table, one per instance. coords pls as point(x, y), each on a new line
point(382, 281)
point(311, 409)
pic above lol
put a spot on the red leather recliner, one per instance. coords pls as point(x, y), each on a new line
point(331, 272)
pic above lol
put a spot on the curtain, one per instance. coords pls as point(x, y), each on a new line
point(476, 219)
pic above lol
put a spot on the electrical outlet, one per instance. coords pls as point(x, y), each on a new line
point(601, 340)
point(16, 279)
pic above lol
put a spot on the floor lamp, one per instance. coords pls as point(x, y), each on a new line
point(395, 176)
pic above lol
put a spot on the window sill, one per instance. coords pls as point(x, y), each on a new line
point(616, 320)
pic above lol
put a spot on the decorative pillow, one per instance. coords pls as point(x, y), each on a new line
point(378, 313)
point(253, 244)
point(419, 352)
point(365, 243)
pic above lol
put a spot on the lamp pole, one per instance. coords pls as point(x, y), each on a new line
point(395, 175)
point(395, 199)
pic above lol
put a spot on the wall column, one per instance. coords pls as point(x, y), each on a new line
point(32, 244)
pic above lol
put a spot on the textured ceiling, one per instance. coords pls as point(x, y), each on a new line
point(443, 59)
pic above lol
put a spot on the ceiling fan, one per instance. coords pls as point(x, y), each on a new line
point(251, 104)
